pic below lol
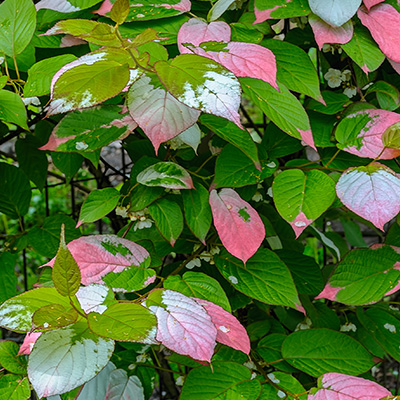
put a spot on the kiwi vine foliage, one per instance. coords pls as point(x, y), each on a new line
point(263, 139)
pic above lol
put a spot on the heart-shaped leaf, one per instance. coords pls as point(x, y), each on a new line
point(238, 224)
point(335, 12)
point(372, 192)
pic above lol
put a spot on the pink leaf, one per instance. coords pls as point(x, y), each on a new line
point(300, 223)
point(372, 192)
point(325, 33)
point(238, 225)
point(329, 292)
point(336, 386)
point(263, 15)
point(371, 3)
point(229, 330)
point(157, 112)
point(383, 21)
point(196, 31)
point(184, 326)
point(98, 255)
point(395, 65)
point(307, 137)
point(28, 343)
point(69, 41)
point(371, 134)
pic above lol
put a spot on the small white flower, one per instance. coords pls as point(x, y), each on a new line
point(333, 77)
point(346, 75)
point(348, 327)
point(122, 212)
point(215, 250)
point(257, 197)
point(141, 358)
point(180, 381)
point(326, 48)
point(193, 263)
point(143, 224)
point(350, 92)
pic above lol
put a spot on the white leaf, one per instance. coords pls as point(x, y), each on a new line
point(334, 12)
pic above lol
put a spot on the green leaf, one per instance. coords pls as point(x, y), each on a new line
point(14, 387)
point(278, 9)
point(41, 74)
point(168, 218)
point(282, 107)
point(15, 194)
point(295, 69)
point(278, 143)
point(363, 50)
point(131, 279)
point(16, 313)
point(67, 163)
point(124, 322)
point(12, 109)
point(286, 382)
point(3, 81)
point(197, 211)
point(141, 196)
point(66, 274)
point(9, 358)
point(8, 288)
point(18, 23)
point(264, 277)
point(348, 130)
point(197, 284)
point(335, 103)
point(228, 131)
point(234, 169)
point(53, 316)
point(120, 11)
point(337, 352)
point(98, 204)
point(391, 137)
point(388, 95)
point(46, 238)
point(226, 380)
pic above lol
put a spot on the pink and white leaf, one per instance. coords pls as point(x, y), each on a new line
point(229, 330)
point(63, 6)
point(157, 112)
point(92, 297)
point(334, 12)
point(335, 386)
point(238, 225)
point(196, 31)
point(325, 33)
point(383, 21)
point(98, 255)
point(372, 146)
point(28, 343)
point(263, 15)
point(371, 3)
point(371, 192)
point(69, 41)
point(184, 326)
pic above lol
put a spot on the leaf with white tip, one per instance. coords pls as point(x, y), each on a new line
point(157, 112)
point(345, 387)
point(325, 33)
point(64, 359)
point(238, 224)
point(122, 387)
point(98, 255)
point(183, 325)
point(165, 174)
point(202, 84)
point(335, 12)
point(383, 21)
point(92, 298)
point(372, 192)
point(229, 330)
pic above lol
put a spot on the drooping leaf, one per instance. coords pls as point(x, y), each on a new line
point(361, 133)
point(12, 109)
point(340, 353)
point(325, 33)
point(229, 330)
point(238, 224)
point(124, 321)
point(226, 379)
point(56, 364)
point(301, 197)
point(157, 112)
point(335, 12)
point(166, 174)
point(364, 276)
point(372, 192)
point(88, 130)
point(122, 387)
point(202, 84)
point(347, 388)
point(183, 325)
point(271, 9)
point(197, 284)
point(98, 255)
point(18, 23)
point(383, 21)
point(264, 277)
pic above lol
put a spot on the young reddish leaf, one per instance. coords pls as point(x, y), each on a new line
point(157, 112)
point(229, 330)
point(335, 12)
point(28, 343)
point(97, 255)
point(238, 225)
point(196, 31)
point(325, 33)
point(332, 386)
point(383, 21)
point(183, 325)
point(364, 138)
point(372, 192)
point(371, 3)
